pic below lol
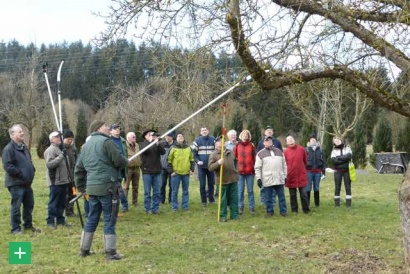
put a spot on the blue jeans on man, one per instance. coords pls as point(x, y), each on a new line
point(56, 204)
point(123, 200)
point(152, 182)
point(21, 195)
point(98, 205)
point(176, 180)
point(248, 179)
point(203, 175)
point(270, 194)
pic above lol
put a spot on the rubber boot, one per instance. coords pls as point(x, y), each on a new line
point(337, 202)
point(85, 244)
point(110, 241)
point(317, 198)
point(348, 202)
point(308, 197)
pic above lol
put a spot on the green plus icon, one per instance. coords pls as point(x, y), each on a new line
point(19, 253)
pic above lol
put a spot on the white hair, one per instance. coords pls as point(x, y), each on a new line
point(231, 132)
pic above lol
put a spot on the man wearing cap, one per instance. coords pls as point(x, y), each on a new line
point(166, 176)
point(270, 173)
point(57, 181)
point(151, 171)
point(276, 143)
point(71, 152)
point(19, 175)
point(98, 173)
point(115, 131)
point(202, 148)
point(316, 166)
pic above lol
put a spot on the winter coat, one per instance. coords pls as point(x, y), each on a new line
point(17, 165)
point(270, 167)
point(245, 152)
point(230, 173)
point(315, 159)
point(56, 163)
point(122, 146)
point(151, 158)
point(180, 159)
point(164, 157)
point(202, 147)
point(98, 170)
point(132, 150)
point(341, 156)
point(296, 160)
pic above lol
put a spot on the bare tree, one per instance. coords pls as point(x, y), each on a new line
point(288, 42)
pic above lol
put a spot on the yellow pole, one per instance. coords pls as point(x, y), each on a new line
point(222, 156)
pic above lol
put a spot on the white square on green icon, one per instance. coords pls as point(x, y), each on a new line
point(19, 252)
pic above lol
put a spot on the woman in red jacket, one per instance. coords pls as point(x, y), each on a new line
point(296, 160)
point(245, 152)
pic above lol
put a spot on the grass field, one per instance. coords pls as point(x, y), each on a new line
point(364, 239)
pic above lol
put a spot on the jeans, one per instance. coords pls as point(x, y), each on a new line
point(166, 178)
point(100, 204)
point(203, 174)
point(313, 180)
point(175, 181)
point(123, 199)
point(152, 181)
point(249, 187)
point(21, 195)
point(86, 207)
point(271, 192)
point(56, 204)
point(263, 196)
point(338, 184)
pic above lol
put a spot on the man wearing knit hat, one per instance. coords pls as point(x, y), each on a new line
point(71, 152)
point(98, 173)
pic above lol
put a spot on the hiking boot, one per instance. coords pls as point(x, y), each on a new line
point(33, 229)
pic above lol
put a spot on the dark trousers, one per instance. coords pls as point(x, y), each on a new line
point(21, 195)
point(166, 179)
point(69, 208)
point(294, 199)
point(338, 183)
point(203, 175)
point(56, 204)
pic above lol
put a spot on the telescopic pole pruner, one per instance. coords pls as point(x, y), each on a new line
point(45, 66)
point(222, 156)
point(191, 116)
point(59, 95)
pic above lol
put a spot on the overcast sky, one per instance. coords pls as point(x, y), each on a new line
point(51, 21)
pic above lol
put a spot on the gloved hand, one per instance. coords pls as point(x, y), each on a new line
point(260, 185)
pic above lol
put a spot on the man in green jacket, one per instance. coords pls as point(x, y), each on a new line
point(98, 173)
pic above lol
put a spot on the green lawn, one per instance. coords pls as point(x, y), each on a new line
point(366, 238)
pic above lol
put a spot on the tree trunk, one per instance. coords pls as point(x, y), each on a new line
point(404, 204)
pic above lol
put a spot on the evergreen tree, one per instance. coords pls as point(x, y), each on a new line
point(217, 131)
point(81, 129)
point(359, 146)
point(307, 130)
point(254, 127)
point(403, 139)
point(327, 145)
point(383, 138)
point(42, 143)
point(4, 134)
point(237, 122)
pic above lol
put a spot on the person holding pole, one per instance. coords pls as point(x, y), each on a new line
point(57, 181)
point(229, 173)
point(68, 140)
point(98, 174)
point(202, 147)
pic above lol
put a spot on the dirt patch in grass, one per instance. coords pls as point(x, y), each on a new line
point(356, 261)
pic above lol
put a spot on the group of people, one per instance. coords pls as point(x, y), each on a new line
point(109, 166)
